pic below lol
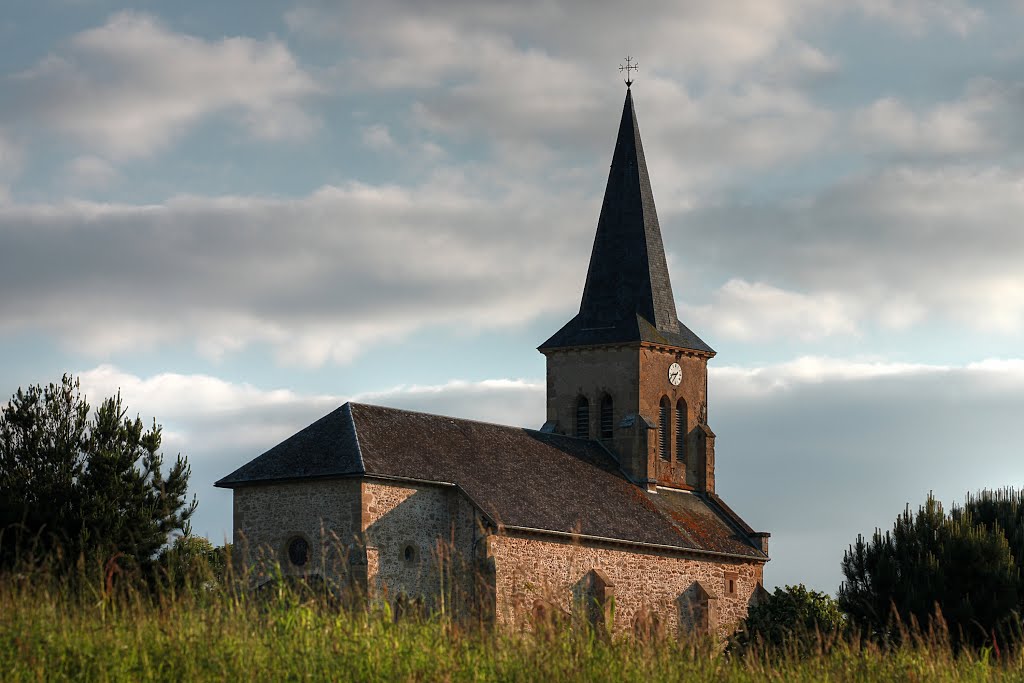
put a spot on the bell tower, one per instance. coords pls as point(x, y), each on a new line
point(624, 370)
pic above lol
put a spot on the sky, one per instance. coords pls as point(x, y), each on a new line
point(242, 215)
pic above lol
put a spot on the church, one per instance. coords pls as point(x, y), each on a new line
point(610, 503)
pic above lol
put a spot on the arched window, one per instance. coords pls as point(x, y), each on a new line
point(664, 428)
point(583, 417)
point(681, 431)
point(607, 417)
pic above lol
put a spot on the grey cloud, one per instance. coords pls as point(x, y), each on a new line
point(909, 241)
point(982, 123)
point(130, 86)
point(916, 16)
point(686, 37)
point(316, 278)
point(11, 160)
point(539, 75)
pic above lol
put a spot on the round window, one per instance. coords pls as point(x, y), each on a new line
point(298, 551)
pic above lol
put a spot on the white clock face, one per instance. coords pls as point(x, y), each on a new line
point(675, 374)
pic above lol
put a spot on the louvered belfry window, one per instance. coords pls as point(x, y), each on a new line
point(607, 419)
point(681, 431)
point(583, 417)
point(664, 427)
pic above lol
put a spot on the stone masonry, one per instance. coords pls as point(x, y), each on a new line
point(428, 545)
point(634, 376)
point(537, 570)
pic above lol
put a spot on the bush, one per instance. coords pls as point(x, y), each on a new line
point(793, 618)
point(192, 561)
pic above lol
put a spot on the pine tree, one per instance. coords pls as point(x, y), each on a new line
point(932, 564)
point(74, 485)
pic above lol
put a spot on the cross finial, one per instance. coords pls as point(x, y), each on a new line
point(630, 66)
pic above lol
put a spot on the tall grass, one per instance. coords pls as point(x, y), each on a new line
point(102, 626)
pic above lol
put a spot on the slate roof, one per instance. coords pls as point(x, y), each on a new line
point(628, 294)
point(521, 478)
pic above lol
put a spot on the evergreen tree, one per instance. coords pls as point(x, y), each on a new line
point(1003, 510)
point(75, 485)
point(931, 564)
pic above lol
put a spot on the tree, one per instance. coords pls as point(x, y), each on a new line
point(1003, 510)
point(192, 561)
point(932, 565)
point(790, 618)
point(78, 485)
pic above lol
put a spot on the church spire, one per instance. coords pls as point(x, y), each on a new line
point(628, 293)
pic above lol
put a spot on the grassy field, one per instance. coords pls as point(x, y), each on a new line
point(51, 632)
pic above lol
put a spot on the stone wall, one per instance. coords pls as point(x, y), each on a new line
point(533, 570)
point(323, 512)
point(591, 372)
point(427, 544)
point(420, 540)
point(654, 385)
point(636, 377)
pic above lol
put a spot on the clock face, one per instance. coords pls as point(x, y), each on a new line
point(675, 374)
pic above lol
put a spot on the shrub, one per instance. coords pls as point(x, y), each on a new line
point(792, 618)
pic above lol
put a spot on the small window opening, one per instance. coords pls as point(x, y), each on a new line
point(298, 551)
point(583, 417)
point(681, 432)
point(730, 584)
point(607, 419)
point(409, 554)
point(664, 427)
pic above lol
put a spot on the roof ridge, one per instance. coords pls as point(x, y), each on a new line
point(347, 409)
point(465, 419)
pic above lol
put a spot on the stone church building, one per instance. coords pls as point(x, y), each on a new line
point(611, 501)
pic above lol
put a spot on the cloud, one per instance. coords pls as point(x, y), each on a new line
point(11, 161)
point(534, 81)
point(737, 382)
point(209, 413)
point(422, 45)
point(378, 137)
point(11, 156)
point(515, 402)
point(814, 450)
point(90, 172)
point(757, 311)
point(129, 87)
point(902, 246)
point(204, 411)
point(320, 278)
point(317, 279)
point(982, 122)
point(916, 16)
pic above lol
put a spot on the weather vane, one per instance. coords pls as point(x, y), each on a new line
point(630, 66)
